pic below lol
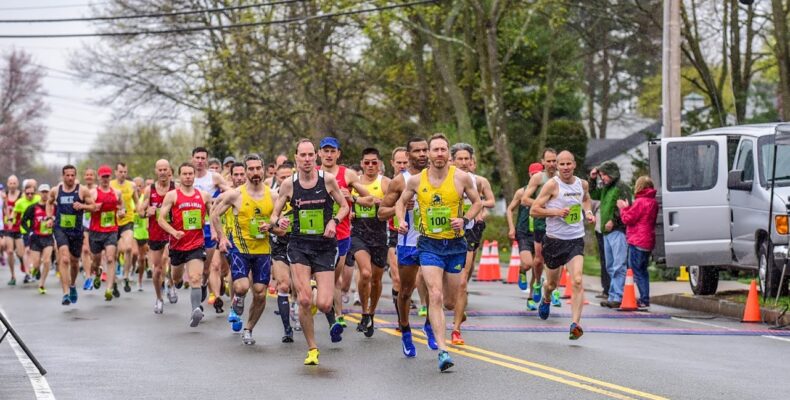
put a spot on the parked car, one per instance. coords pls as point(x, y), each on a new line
point(715, 195)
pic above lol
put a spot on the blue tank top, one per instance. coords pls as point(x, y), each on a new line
point(67, 219)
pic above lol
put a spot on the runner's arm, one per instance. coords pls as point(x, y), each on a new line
point(364, 199)
point(334, 190)
point(51, 197)
point(143, 205)
point(391, 195)
point(284, 194)
point(587, 204)
point(274, 228)
point(224, 202)
point(220, 182)
point(486, 194)
point(474, 196)
point(405, 197)
point(532, 186)
point(167, 204)
point(511, 226)
point(538, 208)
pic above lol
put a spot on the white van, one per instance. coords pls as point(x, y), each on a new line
point(715, 195)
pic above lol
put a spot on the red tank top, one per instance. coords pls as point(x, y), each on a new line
point(188, 214)
point(11, 223)
point(344, 229)
point(155, 232)
point(39, 228)
point(105, 220)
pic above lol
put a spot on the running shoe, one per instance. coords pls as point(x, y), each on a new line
point(149, 274)
point(36, 273)
point(66, 300)
point(212, 298)
point(158, 306)
point(126, 287)
point(312, 357)
point(218, 304)
point(522, 280)
point(369, 329)
point(97, 282)
point(428, 330)
point(294, 312)
point(236, 326)
point(342, 321)
point(12, 282)
point(118, 266)
point(289, 335)
point(246, 337)
point(336, 332)
point(233, 317)
point(544, 309)
point(184, 284)
point(88, 285)
point(115, 291)
point(172, 295)
point(445, 361)
point(537, 289)
point(357, 302)
point(197, 315)
point(531, 305)
point(104, 277)
point(238, 305)
point(457, 339)
point(27, 279)
point(345, 298)
point(73, 295)
point(555, 298)
point(407, 345)
point(42, 290)
point(575, 332)
point(108, 295)
point(362, 323)
point(423, 311)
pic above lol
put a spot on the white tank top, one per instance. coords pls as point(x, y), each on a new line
point(568, 196)
point(206, 183)
point(411, 237)
point(468, 202)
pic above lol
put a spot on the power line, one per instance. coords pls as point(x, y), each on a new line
point(141, 16)
point(21, 8)
point(219, 27)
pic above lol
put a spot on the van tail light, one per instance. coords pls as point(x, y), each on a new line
point(781, 224)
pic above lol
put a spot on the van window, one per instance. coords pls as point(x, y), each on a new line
point(692, 166)
point(766, 146)
point(746, 159)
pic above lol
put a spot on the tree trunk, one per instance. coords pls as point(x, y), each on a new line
point(739, 92)
point(589, 76)
point(782, 52)
point(548, 102)
point(423, 111)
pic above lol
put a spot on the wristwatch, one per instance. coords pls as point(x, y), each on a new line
point(466, 221)
point(337, 221)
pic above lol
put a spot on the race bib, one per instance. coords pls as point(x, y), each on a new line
point(107, 219)
point(192, 220)
point(44, 229)
point(255, 231)
point(364, 212)
point(575, 215)
point(438, 219)
point(531, 224)
point(68, 221)
point(311, 222)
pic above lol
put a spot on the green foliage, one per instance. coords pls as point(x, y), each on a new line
point(568, 135)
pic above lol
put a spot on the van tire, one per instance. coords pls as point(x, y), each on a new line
point(704, 280)
point(768, 272)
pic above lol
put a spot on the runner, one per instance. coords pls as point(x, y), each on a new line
point(227, 167)
point(408, 256)
point(312, 249)
point(89, 181)
point(522, 232)
point(140, 236)
point(562, 201)
point(463, 159)
point(187, 207)
point(22, 204)
point(39, 225)
point(399, 163)
point(536, 183)
point(281, 266)
point(248, 248)
point(11, 234)
point(66, 203)
point(347, 179)
point(149, 208)
point(125, 223)
point(369, 239)
point(442, 248)
point(103, 237)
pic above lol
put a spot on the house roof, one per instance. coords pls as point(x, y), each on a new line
point(600, 150)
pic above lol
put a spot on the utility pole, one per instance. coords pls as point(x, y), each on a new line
point(670, 70)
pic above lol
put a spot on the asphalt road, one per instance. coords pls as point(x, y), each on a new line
point(120, 350)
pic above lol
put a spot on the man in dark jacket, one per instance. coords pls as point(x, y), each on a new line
point(608, 192)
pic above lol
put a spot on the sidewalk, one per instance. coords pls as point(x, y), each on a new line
point(593, 283)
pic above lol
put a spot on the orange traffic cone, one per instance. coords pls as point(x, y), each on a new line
point(752, 311)
point(568, 292)
point(563, 278)
point(483, 270)
point(496, 270)
point(629, 294)
point(515, 264)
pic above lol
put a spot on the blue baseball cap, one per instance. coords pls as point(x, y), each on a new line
point(329, 142)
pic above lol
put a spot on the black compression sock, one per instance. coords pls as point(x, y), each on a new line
point(405, 328)
point(395, 301)
point(330, 316)
point(285, 310)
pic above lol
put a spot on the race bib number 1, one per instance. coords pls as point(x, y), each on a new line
point(192, 220)
point(311, 222)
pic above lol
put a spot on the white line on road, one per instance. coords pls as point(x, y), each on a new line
point(39, 382)
point(783, 339)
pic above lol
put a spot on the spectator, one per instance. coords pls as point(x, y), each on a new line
point(615, 246)
point(640, 221)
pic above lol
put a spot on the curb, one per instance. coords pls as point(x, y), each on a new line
point(712, 305)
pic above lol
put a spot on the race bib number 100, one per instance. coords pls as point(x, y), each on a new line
point(438, 219)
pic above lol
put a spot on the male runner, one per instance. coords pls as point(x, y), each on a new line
point(369, 239)
point(140, 236)
point(36, 222)
point(534, 187)
point(125, 224)
point(562, 201)
point(89, 181)
point(347, 179)
point(107, 210)
point(463, 159)
point(248, 247)
point(521, 229)
point(442, 249)
point(408, 256)
point(11, 234)
point(187, 207)
point(399, 163)
point(280, 265)
point(20, 206)
point(158, 239)
point(67, 203)
point(312, 248)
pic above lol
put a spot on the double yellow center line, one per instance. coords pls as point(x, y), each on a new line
point(535, 369)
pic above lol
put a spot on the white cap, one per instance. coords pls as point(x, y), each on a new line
point(43, 187)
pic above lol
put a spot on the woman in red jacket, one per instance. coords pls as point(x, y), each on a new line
point(640, 221)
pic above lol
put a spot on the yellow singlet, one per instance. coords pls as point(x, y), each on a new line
point(375, 190)
point(246, 236)
point(127, 197)
point(438, 205)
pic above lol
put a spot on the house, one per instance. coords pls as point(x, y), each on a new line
point(622, 151)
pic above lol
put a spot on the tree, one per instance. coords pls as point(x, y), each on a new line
point(22, 112)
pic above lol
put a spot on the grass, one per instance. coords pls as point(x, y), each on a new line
point(740, 297)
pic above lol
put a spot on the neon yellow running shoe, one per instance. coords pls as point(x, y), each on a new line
point(312, 357)
point(423, 311)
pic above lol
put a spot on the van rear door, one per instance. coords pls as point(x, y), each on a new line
point(696, 211)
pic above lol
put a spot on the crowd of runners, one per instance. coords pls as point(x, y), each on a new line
point(299, 231)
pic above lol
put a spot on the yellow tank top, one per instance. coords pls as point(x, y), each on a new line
point(438, 205)
point(375, 190)
point(246, 236)
point(127, 196)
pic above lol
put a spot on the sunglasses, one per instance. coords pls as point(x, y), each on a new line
point(29, 193)
point(370, 162)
